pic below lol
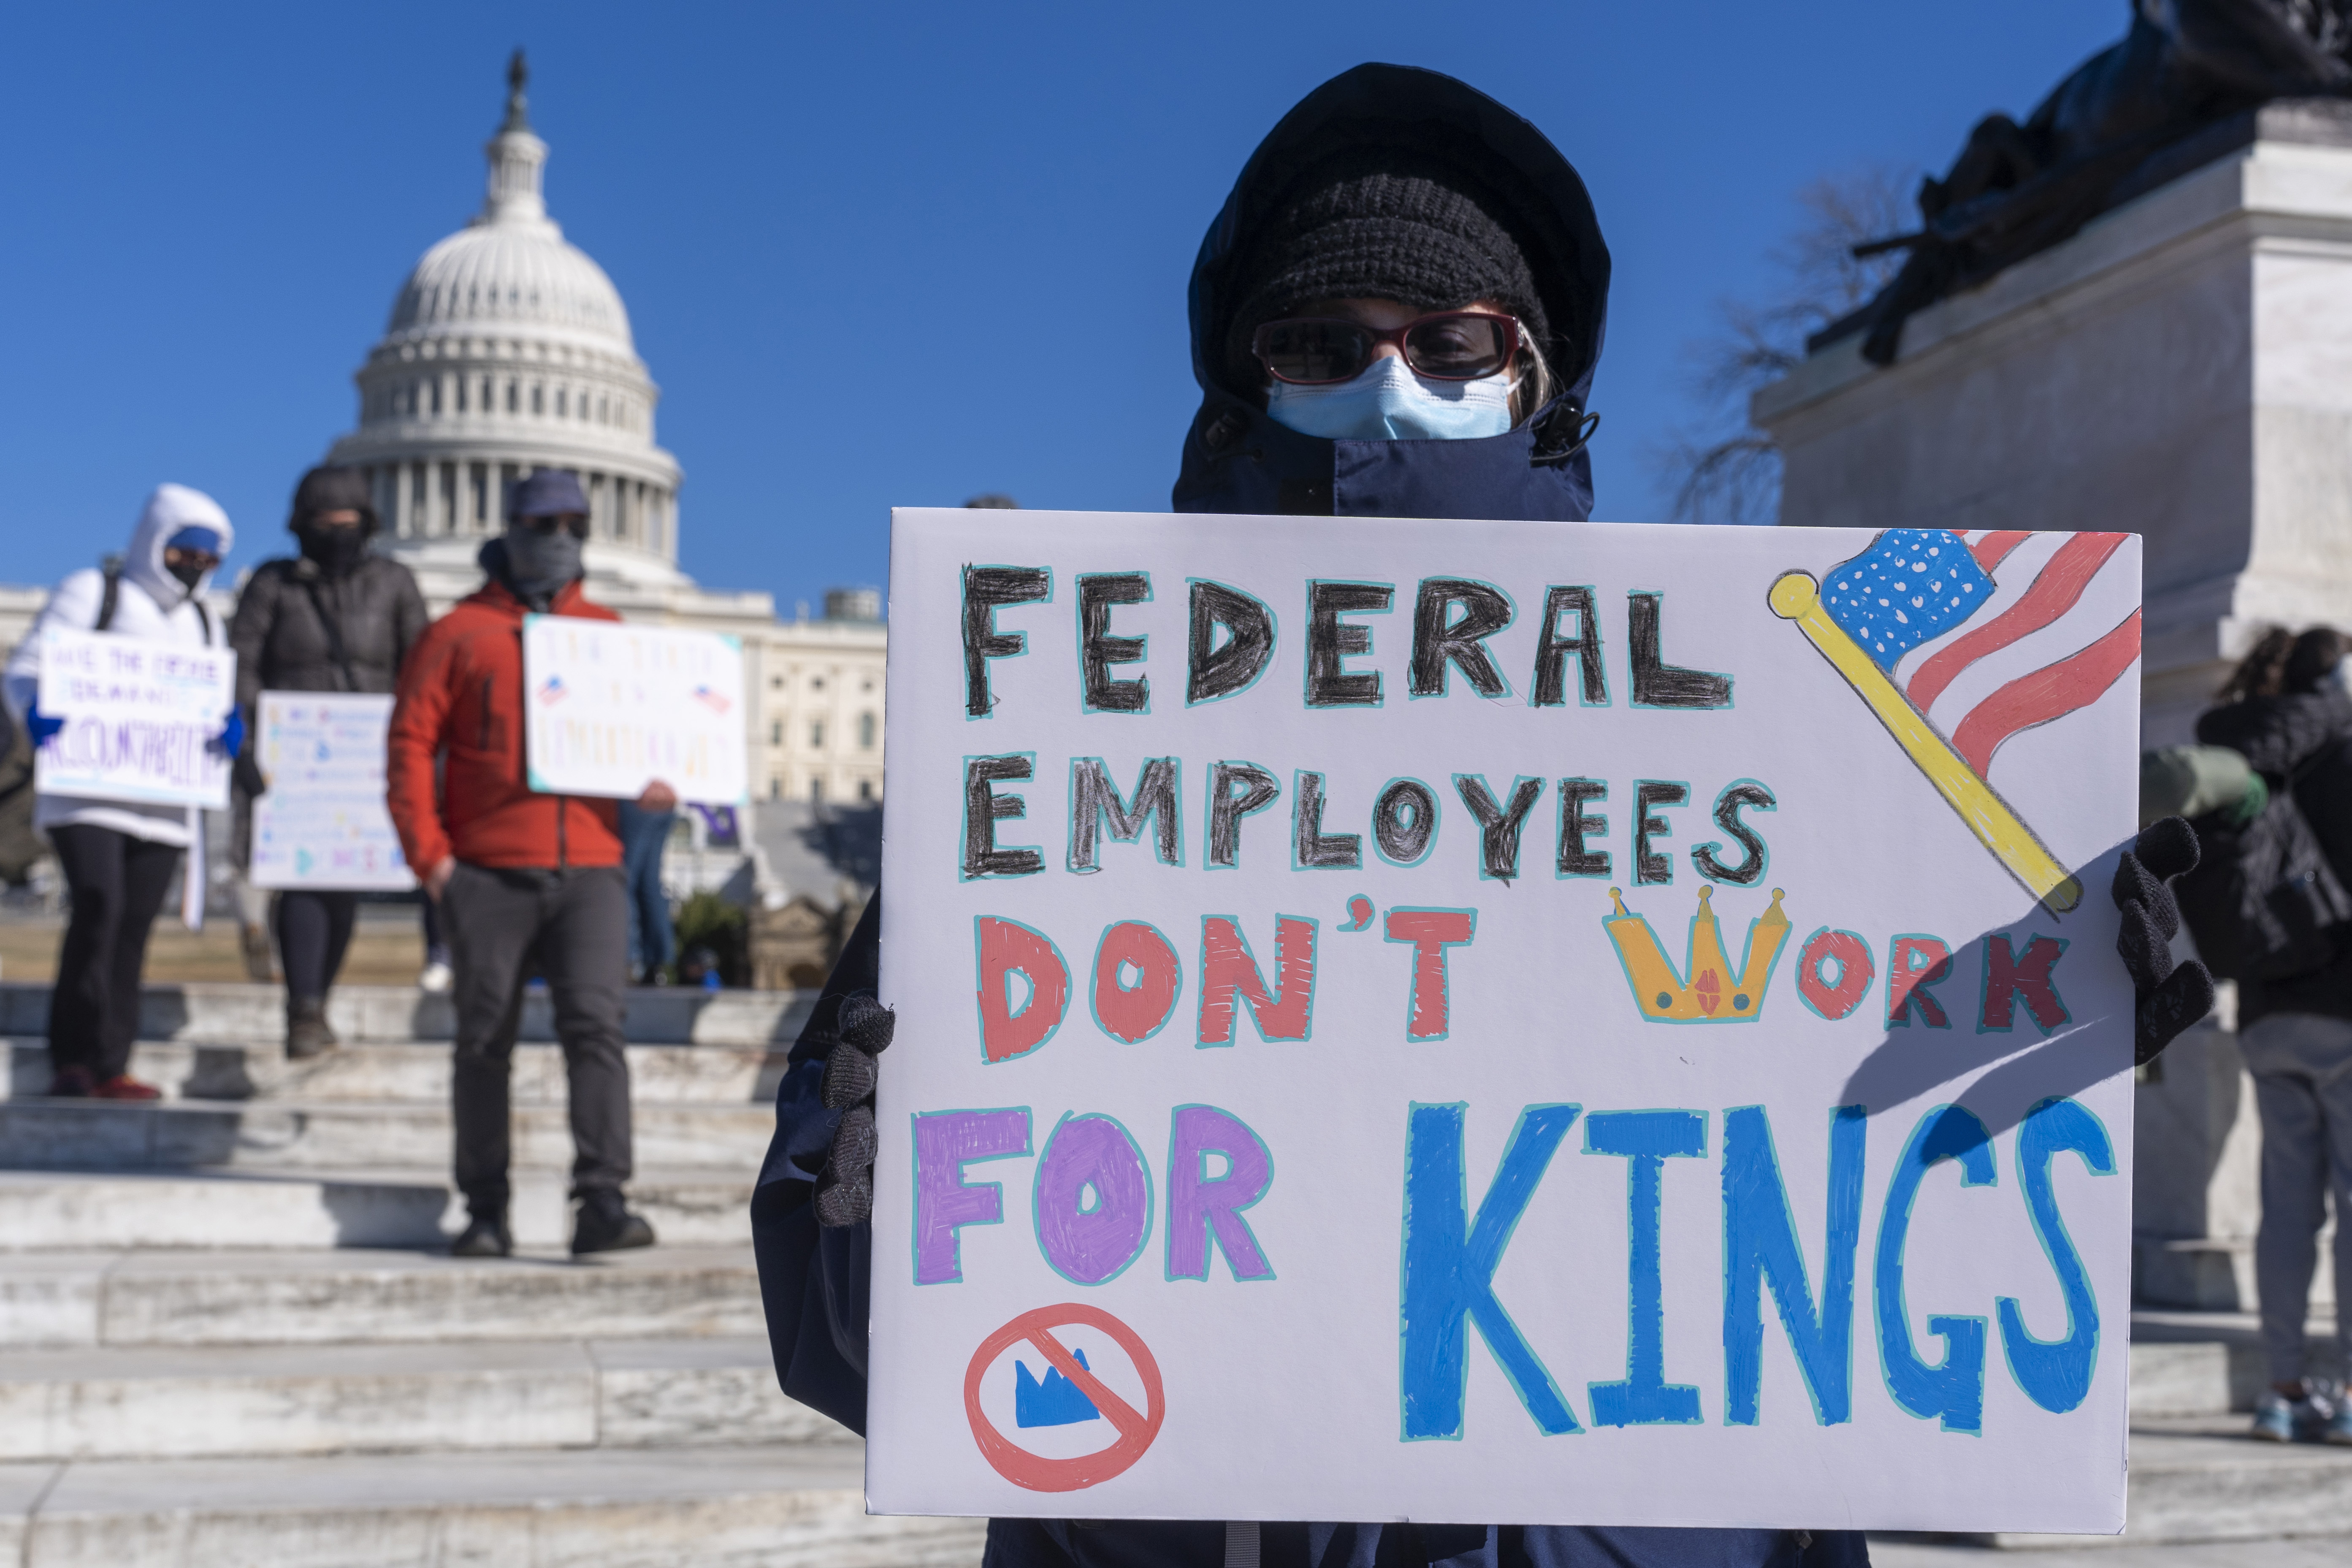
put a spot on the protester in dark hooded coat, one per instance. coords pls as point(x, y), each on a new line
point(336, 618)
point(1388, 195)
point(2286, 712)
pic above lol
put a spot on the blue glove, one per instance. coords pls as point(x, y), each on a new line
point(231, 740)
point(39, 725)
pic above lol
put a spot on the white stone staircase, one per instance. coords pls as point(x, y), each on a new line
point(230, 1331)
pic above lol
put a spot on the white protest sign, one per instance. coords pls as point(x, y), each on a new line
point(609, 708)
point(1504, 1023)
point(323, 822)
point(140, 719)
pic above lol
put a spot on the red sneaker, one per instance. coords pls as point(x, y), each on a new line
point(122, 1086)
point(72, 1083)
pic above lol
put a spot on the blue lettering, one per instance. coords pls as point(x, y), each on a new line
point(1761, 1249)
point(1646, 1139)
point(1449, 1269)
point(2056, 1373)
point(1953, 1389)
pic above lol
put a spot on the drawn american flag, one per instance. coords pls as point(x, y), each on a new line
point(1992, 634)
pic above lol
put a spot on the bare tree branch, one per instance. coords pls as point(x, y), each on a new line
point(1721, 468)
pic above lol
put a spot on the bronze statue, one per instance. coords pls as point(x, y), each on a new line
point(2184, 66)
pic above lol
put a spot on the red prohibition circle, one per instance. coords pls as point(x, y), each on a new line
point(1039, 1474)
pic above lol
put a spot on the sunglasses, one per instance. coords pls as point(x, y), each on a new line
point(1452, 345)
point(575, 523)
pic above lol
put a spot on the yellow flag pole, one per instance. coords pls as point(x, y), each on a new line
point(1796, 596)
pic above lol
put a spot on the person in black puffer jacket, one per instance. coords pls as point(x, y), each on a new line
point(2286, 713)
point(336, 618)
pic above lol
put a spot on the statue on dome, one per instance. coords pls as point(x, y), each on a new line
point(2178, 90)
point(518, 107)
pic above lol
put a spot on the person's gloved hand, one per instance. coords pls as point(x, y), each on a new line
point(231, 740)
point(845, 1187)
point(39, 726)
point(247, 772)
point(2166, 998)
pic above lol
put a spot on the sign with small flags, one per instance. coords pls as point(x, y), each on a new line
point(1506, 1022)
point(609, 708)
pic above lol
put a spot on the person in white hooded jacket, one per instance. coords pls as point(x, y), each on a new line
point(118, 856)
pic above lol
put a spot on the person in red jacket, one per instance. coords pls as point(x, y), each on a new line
point(524, 880)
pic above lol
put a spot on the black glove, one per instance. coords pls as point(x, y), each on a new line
point(247, 772)
point(845, 1187)
point(2166, 999)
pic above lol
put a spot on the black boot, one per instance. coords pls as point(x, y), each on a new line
point(307, 1034)
point(605, 1223)
point(485, 1236)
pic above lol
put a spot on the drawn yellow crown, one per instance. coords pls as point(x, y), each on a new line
point(1708, 997)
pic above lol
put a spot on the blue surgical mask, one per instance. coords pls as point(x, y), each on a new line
point(1389, 402)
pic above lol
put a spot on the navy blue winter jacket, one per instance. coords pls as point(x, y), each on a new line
point(1237, 460)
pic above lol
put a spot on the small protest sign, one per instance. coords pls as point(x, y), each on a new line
point(609, 708)
point(323, 822)
point(140, 718)
point(1504, 1023)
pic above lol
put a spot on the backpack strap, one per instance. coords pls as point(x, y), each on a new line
point(334, 631)
point(112, 567)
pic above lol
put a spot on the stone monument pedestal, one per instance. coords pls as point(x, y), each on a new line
point(2180, 369)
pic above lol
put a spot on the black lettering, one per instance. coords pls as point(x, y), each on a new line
point(1552, 650)
point(1226, 808)
point(1220, 671)
point(1657, 684)
point(1499, 825)
point(1329, 640)
point(986, 590)
point(1093, 798)
point(1575, 824)
point(1435, 644)
point(1750, 871)
point(1648, 793)
point(1098, 650)
point(1404, 819)
point(983, 809)
point(1315, 848)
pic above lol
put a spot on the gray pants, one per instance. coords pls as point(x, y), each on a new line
point(572, 926)
point(2302, 1066)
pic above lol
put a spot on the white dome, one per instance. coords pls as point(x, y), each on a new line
point(497, 276)
point(509, 351)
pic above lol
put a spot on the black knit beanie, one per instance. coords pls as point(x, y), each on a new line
point(1377, 223)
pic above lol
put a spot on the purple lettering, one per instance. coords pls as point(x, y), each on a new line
point(1092, 1199)
point(945, 1143)
point(1200, 1205)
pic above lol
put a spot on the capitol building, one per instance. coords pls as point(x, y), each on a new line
point(508, 350)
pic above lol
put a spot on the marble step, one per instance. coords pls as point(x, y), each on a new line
point(242, 1013)
point(2200, 1478)
point(215, 1403)
point(82, 1211)
point(415, 1071)
point(596, 1508)
point(354, 1297)
point(100, 1135)
point(2208, 1379)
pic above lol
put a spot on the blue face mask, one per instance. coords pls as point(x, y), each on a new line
point(1389, 402)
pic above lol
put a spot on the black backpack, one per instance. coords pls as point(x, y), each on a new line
point(2263, 903)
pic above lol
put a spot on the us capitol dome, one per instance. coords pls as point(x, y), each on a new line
point(508, 350)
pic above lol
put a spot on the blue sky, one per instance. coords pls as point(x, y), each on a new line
point(870, 252)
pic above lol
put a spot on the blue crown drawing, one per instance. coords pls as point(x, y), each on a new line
point(1056, 1402)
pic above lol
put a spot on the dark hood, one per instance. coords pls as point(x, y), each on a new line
point(1238, 460)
